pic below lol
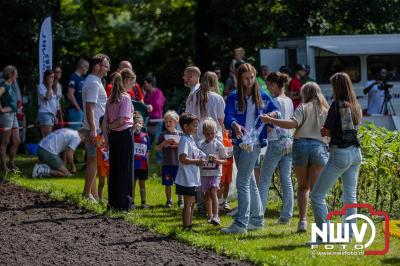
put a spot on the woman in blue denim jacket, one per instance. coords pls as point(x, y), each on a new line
point(243, 106)
point(344, 116)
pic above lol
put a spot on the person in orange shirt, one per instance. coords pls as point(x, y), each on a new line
point(227, 171)
point(102, 161)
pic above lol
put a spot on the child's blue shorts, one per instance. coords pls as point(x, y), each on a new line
point(168, 174)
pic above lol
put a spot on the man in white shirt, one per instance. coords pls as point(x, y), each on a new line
point(376, 93)
point(191, 80)
point(64, 140)
point(94, 99)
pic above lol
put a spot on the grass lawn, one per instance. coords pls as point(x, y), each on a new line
point(275, 245)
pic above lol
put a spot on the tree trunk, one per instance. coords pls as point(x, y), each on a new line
point(204, 19)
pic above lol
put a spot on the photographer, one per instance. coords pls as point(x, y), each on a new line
point(376, 90)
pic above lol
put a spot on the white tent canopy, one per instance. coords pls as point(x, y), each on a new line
point(357, 44)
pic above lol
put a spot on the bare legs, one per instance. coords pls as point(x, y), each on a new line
point(142, 188)
point(187, 212)
point(45, 130)
point(211, 202)
point(91, 170)
point(306, 177)
point(8, 135)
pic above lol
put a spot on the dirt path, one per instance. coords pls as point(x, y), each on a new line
point(36, 230)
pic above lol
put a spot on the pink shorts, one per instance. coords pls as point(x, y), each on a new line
point(208, 182)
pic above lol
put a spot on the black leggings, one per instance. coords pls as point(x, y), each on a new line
point(121, 170)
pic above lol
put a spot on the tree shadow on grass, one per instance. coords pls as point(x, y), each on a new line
point(272, 213)
point(261, 235)
point(289, 247)
point(391, 261)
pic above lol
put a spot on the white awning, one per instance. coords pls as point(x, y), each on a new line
point(357, 44)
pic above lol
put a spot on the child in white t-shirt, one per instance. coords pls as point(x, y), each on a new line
point(190, 158)
point(211, 172)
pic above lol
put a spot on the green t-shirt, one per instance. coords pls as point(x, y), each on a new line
point(9, 97)
point(221, 88)
point(263, 85)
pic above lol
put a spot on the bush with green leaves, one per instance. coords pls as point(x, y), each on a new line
point(379, 177)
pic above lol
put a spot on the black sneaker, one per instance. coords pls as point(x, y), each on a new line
point(180, 204)
point(188, 228)
point(169, 204)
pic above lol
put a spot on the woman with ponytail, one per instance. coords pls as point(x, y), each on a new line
point(205, 102)
point(279, 151)
point(118, 119)
point(310, 149)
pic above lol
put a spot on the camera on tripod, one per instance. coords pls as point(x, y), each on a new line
point(386, 87)
point(387, 100)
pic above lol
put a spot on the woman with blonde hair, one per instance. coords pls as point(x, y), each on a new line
point(310, 149)
point(205, 102)
point(118, 119)
point(344, 117)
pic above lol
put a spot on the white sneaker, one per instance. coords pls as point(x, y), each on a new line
point(252, 227)
point(234, 212)
point(234, 229)
point(91, 198)
point(302, 227)
point(215, 221)
point(36, 171)
point(45, 170)
point(283, 221)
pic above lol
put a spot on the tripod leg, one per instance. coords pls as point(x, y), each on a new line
point(391, 106)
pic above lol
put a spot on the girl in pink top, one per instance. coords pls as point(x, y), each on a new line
point(118, 119)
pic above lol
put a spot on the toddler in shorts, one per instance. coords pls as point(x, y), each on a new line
point(211, 172)
point(168, 142)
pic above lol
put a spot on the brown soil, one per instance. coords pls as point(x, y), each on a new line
point(35, 230)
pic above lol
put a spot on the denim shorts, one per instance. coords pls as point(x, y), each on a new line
point(46, 119)
point(91, 149)
point(309, 152)
point(8, 120)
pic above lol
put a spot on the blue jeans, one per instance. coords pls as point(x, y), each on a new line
point(75, 116)
point(249, 202)
point(274, 157)
point(342, 162)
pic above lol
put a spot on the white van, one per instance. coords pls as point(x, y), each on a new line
point(357, 55)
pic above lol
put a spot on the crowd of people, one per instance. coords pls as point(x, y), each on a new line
point(221, 126)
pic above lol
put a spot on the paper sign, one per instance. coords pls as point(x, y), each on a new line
point(140, 149)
